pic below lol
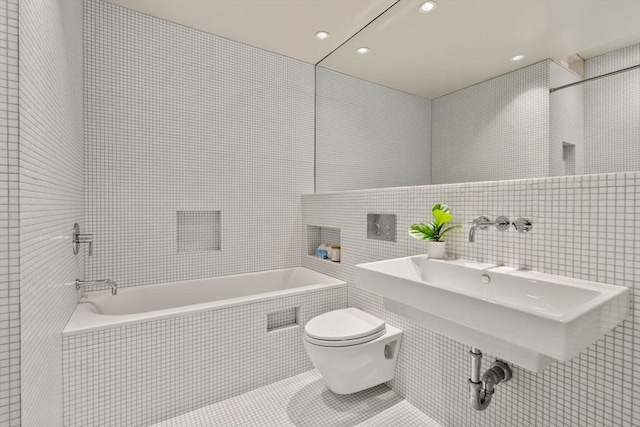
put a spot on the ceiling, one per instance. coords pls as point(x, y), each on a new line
point(286, 27)
point(463, 42)
point(460, 43)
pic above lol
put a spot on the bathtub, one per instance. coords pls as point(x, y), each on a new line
point(154, 352)
point(100, 310)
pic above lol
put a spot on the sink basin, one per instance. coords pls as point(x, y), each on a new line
point(528, 318)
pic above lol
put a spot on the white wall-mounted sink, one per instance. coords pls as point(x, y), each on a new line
point(525, 317)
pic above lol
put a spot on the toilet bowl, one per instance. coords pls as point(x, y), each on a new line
point(351, 349)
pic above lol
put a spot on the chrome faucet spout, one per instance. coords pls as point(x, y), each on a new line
point(482, 222)
point(109, 282)
point(114, 286)
point(502, 223)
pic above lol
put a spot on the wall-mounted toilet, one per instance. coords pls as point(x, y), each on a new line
point(351, 349)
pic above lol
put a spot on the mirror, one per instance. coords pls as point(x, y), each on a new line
point(595, 125)
point(438, 99)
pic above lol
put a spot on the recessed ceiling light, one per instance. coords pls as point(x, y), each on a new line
point(517, 58)
point(362, 50)
point(427, 7)
point(322, 35)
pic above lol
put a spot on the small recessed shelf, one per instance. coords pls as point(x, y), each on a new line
point(198, 231)
point(282, 319)
point(317, 235)
point(569, 158)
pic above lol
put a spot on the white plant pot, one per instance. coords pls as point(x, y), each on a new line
point(437, 250)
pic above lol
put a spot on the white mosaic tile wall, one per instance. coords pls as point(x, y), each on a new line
point(612, 112)
point(9, 222)
point(364, 129)
point(141, 374)
point(566, 123)
point(181, 120)
point(498, 129)
point(51, 195)
point(585, 226)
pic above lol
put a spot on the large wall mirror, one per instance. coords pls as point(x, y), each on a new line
point(481, 90)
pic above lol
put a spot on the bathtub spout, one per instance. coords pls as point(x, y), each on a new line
point(85, 283)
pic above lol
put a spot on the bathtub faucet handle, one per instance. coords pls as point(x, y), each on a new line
point(79, 239)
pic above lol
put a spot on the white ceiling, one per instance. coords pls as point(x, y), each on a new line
point(286, 27)
point(462, 42)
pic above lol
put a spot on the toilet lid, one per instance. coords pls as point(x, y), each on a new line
point(345, 324)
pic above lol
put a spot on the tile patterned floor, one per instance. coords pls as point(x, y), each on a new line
point(305, 401)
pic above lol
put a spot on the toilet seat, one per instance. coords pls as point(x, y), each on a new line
point(342, 328)
point(344, 343)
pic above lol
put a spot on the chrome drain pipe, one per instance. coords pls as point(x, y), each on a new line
point(481, 389)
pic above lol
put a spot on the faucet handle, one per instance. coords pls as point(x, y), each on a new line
point(86, 238)
point(503, 223)
point(81, 239)
point(523, 225)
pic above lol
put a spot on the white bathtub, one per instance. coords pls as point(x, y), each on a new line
point(101, 310)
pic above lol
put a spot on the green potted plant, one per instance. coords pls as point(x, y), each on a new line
point(434, 230)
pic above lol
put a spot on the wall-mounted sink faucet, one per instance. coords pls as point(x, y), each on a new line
point(85, 283)
point(502, 223)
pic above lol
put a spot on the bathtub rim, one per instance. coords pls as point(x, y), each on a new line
point(83, 320)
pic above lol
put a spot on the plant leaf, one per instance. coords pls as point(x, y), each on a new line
point(442, 217)
point(422, 231)
point(453, 227)
point(440, 207)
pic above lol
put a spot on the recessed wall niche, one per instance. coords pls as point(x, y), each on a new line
point(198, 231)
point(317, 235)
point(282, 319)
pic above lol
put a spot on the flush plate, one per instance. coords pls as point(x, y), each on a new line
point(381, 227)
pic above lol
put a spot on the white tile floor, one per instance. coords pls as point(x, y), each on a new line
point(305, 401)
